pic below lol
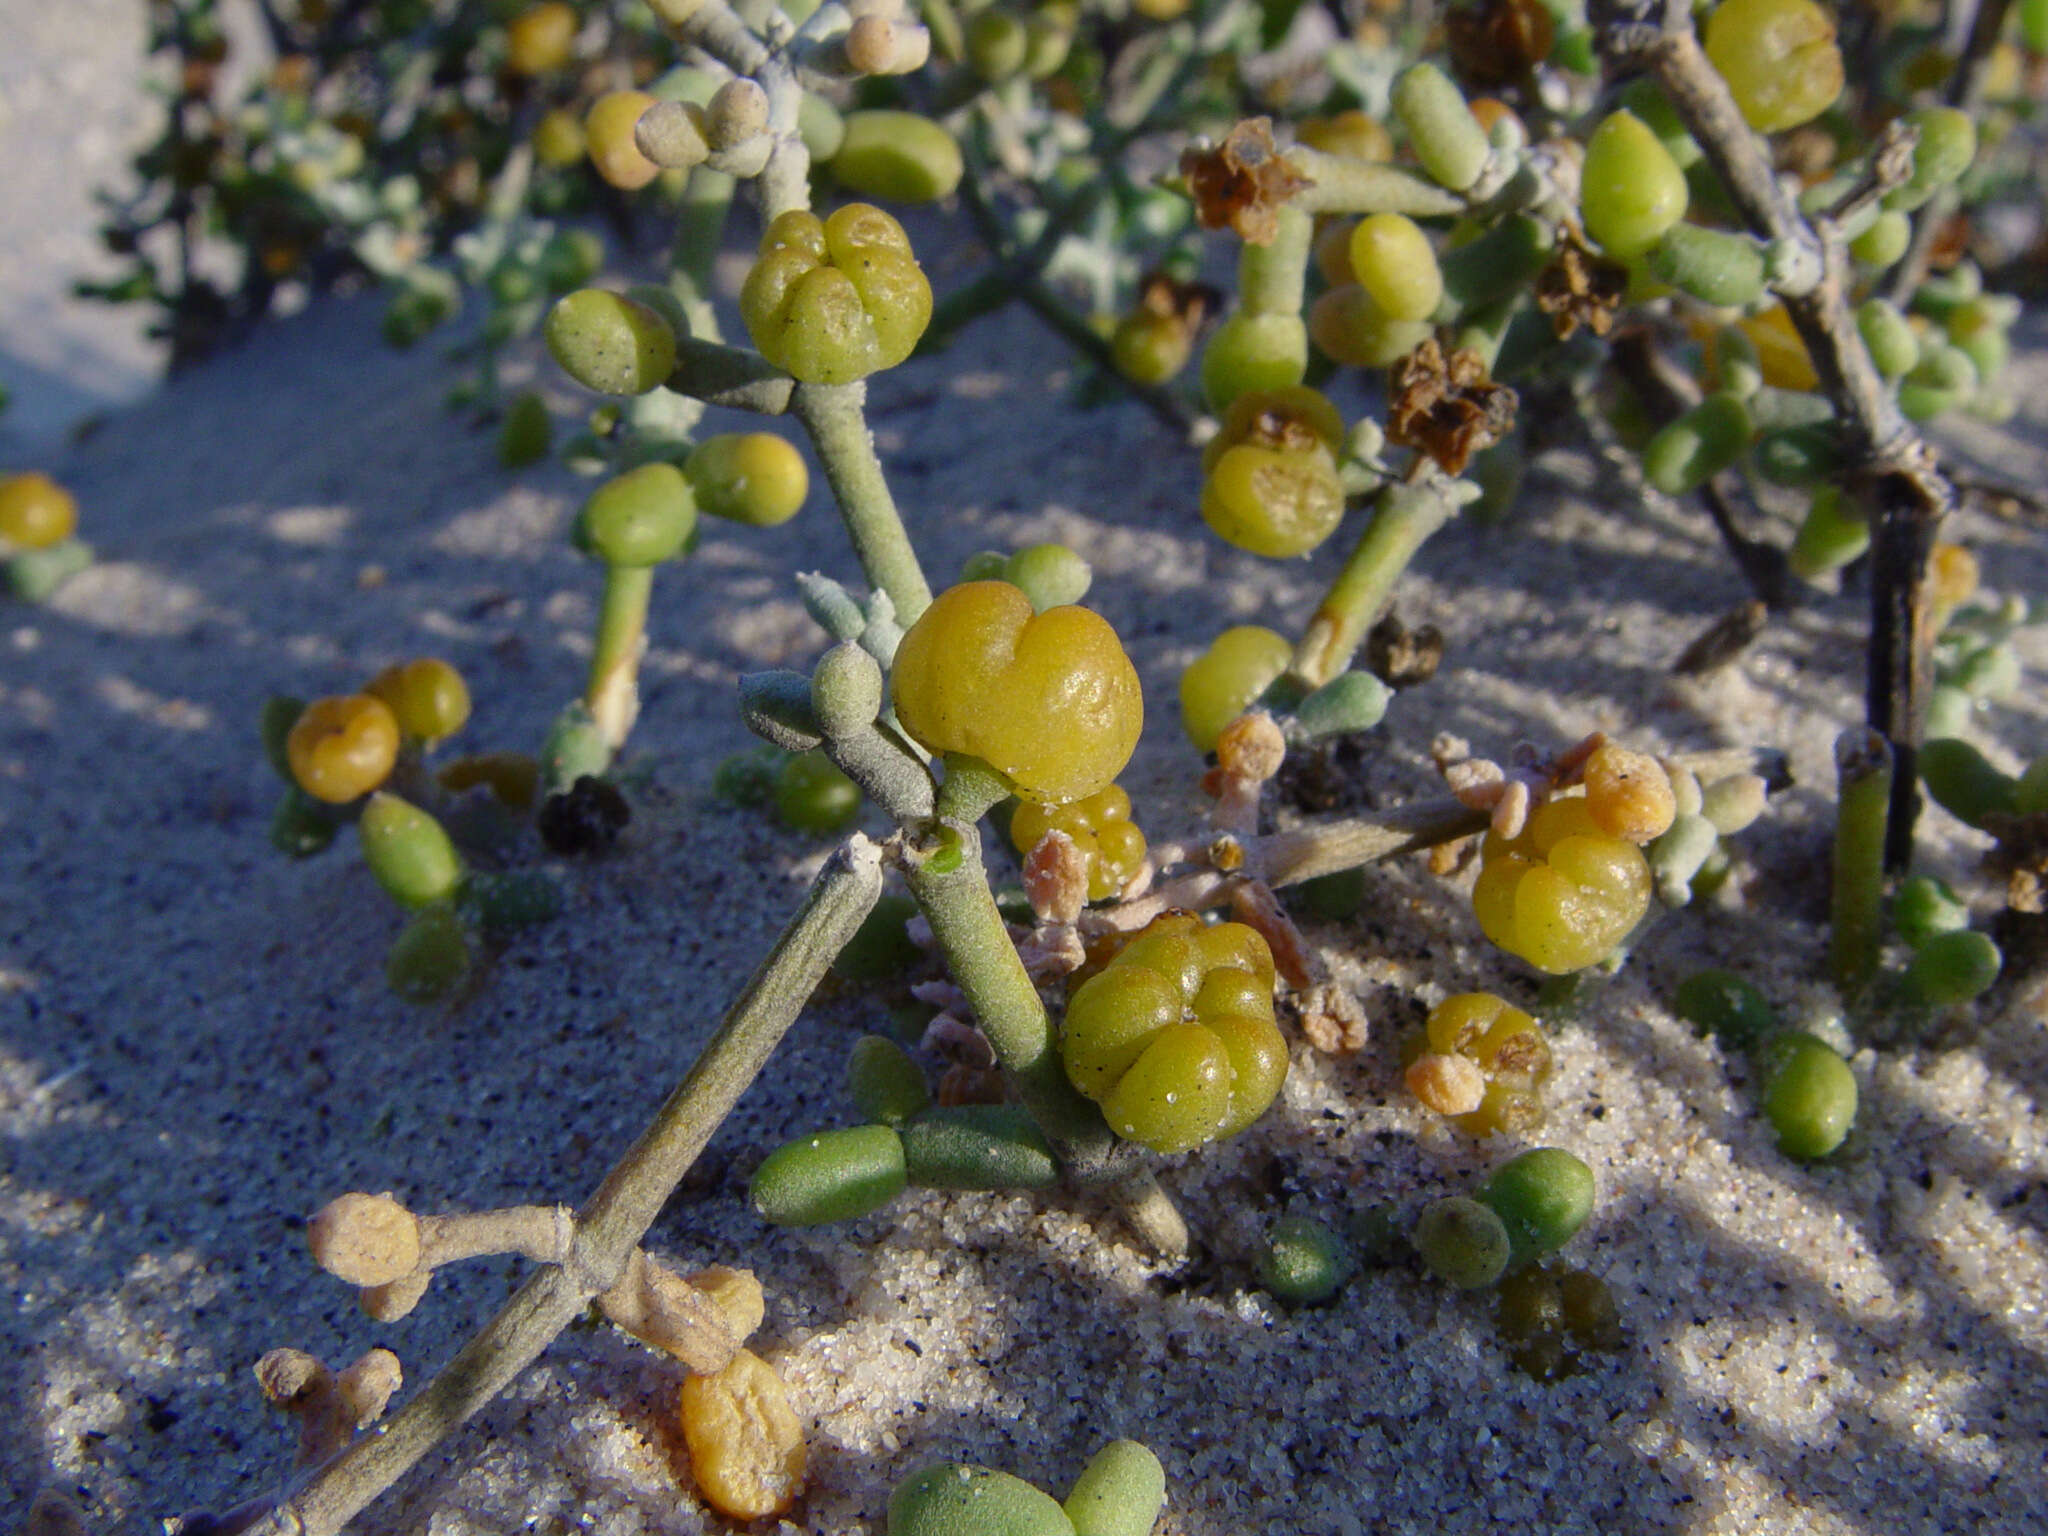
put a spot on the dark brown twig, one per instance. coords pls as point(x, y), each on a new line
point(1895, 473)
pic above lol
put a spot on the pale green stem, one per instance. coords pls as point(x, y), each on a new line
point(700, 231)
point(834, 416)
point(954, 897)
point(614, 1220)
point(1863, 768)
point(1404, 516)
point(1272, 279)
point(613, 693)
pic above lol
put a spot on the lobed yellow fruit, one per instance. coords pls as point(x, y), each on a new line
point(342, 747)
point(1112, 847)
point(1564, 894)
point(1048, 699)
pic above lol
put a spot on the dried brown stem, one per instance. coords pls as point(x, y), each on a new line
point(1895, 472)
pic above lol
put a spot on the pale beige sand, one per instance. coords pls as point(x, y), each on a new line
point(198, 1049)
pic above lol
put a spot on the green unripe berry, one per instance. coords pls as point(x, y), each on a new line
point(1698, 445)
point(996, 44)
point(640, 518)
point(1925, 908)
point(610, 343)
point(1119, 1493)
point(1303, 1261)
point(831, 1176)
point(1894, 347)
point(1395, 263)
point(1223, 683)
point(1463, 1242)
point(1809, 1095)
point(954, 1500)
point(1442, 131)
point(978, 1146)
point(899, 156)
point(1051, 575)
point(408, 851)
point(1948, 143)
point(1722, 1004)
point(1630, 189)
point(430, 957)
point(1829, 537)
point(1542, 1197)
point(1944, 378)
point(1715, 266)
point(1964, 782)
point(1953, 968)
point(756, 478)
point(885, 1084)
point(1253, 352)
point(33, 575)
point(523, 437)
point(1989, 672)
point(811, 795)
point(1885, 241)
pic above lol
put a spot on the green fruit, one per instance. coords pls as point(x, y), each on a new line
point(1830, 536)
point(1542, 1197)
point(1925, 908)
point(899, 157)
point(430, 957)
point(1463, 1242)
point(408, 851)
point(1953, 968)
point(1119, 1493)
point(1722, 1004)
point(1303, 1261)
point(610, 343)
point(1964, 782)
point(640, 518)
point(1253, 352)
point(1809, 1095)
point(1630, 189)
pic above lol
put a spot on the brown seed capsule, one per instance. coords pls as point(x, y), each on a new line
point(1449, 1085)
point(1629, 794)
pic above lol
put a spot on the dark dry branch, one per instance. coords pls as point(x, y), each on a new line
point(1894, 472)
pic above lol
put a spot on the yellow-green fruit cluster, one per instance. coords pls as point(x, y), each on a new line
point(834, 300)
point(1112, 847)
point(1048, 699)
point(1564, 894)
point(1175, 1038)
point(1510, 1051)
point(1270, 482)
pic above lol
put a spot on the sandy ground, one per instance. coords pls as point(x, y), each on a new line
point(197, 1049)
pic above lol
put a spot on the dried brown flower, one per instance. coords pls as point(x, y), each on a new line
point(1242, 182)
point(1164, 295)
point(1402, 657)
point(1447, 408)
point(1578, 288)
point(1497, 42)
